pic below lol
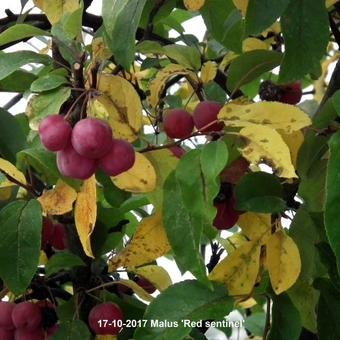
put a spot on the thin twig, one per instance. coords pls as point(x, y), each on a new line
point(268, 317)
point(16, 99)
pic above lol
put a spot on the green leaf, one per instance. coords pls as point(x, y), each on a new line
point(306, 34)
point(12, 137)
point(74, 329)
point(62, 261)
point(286, 322)
point(184, 55)
point(311, 167)
point(259, 192)
point(184, 229)
point(18, 81)
point(187, 300)
point(332, 205)
point(263, 13)
point(328, 310)
point(12, 61)
point(47, 82)
point(121, 19)
point(149, 46)
point(224, 23)
point(255, 323)
point(20, 240)
point(328, 112)
point(19, 32)
point(46, 104)
point(251, 65)
point(214, 158)
point(305, 233)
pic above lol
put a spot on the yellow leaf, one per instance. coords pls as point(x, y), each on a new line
point(157, 275)
point(149, 243)
point(122, 106)
point(254, 225)
point(208, 72)
point(59, 200)
point(99, 49)
point(227, 59)
point(330, 3)
point(249, 303)
point(157, 85)
point(105, 337)
point(193, 5)
point(43, 259)
point(283, 261)
point(287, 118)
point(241, 5)
point(55, 9)
point(139, 179)
point(251, 44)
point(138, 290)
point(232, 242)
point(238, 271)
point(85, 213)
point(266, 145)
point(163, 161)
point(294, 141)
point(10, 170)
point(5, 193)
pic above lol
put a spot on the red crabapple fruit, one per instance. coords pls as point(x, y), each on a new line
point(291, 93)
point(6, 309)
point(178, 123)
point(6, 334)
point(47, 232)
point(120, 158)
point(106, 311)
point(55, 132)
point(177, 151)
point(145, 284)
point(205, 113)
point(59, 237)
point(24, 334)
point(226, 216)
point(72, 164)
point(92, 138)
point(26, 315)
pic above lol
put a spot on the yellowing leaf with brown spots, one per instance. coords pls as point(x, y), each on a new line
point(294, 141)
point(55, 9)
point(157, 85)
point(239, 270)
point(287, 118)
point(163, 161)
point(148, 244)
point(266, 145)
point(157, 275)
point(193, 5)
point(59, 200)
point(138, 290)
point(283, 261)
point(255, 226)
point(7, 168)
point(5, 193)
point(85, 213)
point(241, 5)
point(99, 50)
point(251, 44)
point(139, 179)
point(232, 242)
point(208, 72)
point(121, 105)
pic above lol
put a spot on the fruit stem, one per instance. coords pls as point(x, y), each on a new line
point(28, 188)
point(68, 113)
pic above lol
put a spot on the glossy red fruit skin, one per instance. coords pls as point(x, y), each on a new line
point(206, 112)
point(177, 151)
point(119, 159)
point(71, 164)
point(105, 311)
point(59, 239)
point(24, 334)
point(226, 216)
point(178, 123)
point(55, 132)
point(145, 284)
point(26, 315)
point(6, 309)
point(235, 171)
point(92, 138)
point(291, 93)
point(6, 334)
point(47, 232)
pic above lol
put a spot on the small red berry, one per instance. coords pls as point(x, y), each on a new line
point(205, 113)
point(178, 123)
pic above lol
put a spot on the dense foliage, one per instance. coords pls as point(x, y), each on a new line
point(136, 145)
